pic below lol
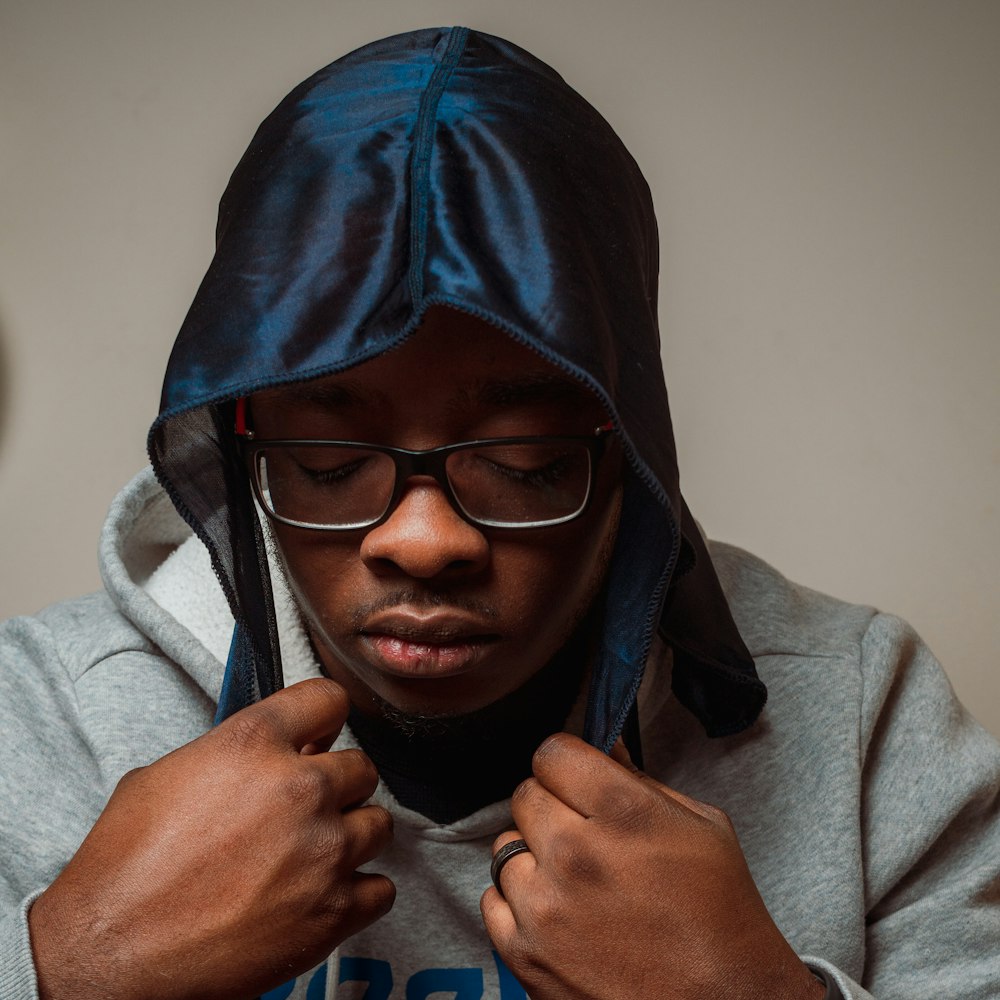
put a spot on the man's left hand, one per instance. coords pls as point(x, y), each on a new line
point(631, 889)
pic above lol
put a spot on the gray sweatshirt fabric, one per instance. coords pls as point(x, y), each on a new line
point(866, 799)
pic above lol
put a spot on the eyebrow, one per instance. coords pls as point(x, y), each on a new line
point(533, 387)
point(328, 395)
point(520, 390)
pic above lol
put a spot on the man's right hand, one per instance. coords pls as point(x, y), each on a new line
point(225, 868)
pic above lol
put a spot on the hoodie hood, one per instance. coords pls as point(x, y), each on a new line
point(447, 167)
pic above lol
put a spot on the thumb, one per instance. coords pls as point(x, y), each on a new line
point(306, 717)
point(619, 753)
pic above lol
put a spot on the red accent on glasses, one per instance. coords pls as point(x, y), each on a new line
point(241, 416)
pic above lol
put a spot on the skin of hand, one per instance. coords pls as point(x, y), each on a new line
point(631, 889)
point(225, 868)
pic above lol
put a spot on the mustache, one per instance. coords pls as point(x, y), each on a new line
point(413, 598)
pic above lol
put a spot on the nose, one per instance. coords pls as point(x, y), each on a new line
point(424, 537)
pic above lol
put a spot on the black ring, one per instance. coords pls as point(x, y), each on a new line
point(502, 857)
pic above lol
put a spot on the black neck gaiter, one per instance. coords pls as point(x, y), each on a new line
point(449, 767)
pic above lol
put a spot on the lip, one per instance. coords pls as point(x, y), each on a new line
point(437, 645)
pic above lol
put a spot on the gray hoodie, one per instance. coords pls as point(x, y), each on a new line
point(865, 797)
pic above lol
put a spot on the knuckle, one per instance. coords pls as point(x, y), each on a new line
point(343, 849)
point(578, 860)
point(360, 763)
point(356, 756)
point(383, 893)
point(381, 824)
point(250, 731)
point(545, 915)
point(358, 900)
point(582, 866)
point(347, 838)
point(522, 952)
point(526, 791)
point(334, 694)
point(339, 900)
point(335, 844)
point(553, 745)
point(304, 789)
point(631, 812)
point(338, 842)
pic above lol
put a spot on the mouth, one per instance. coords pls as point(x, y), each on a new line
point(426, 646)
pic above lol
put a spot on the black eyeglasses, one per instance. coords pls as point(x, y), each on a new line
point(517, 482)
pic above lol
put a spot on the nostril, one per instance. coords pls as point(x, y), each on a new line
point(423, 561)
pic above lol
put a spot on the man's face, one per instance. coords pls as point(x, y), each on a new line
point(432, 614)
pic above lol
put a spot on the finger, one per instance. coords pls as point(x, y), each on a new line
point(702, 809)
point(372, 896)
point(374, 891)
point(596, 792)
point(312, 712)
point(498, 918)
point(351, 771)
point(367, 832)
point(582, 777)
point(503, 861)
point(619, 753)
point(598, 787)
point(542, 818)
point(349, 775)
point(507, 837)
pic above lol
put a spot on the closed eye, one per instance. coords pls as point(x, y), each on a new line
point(541, 476)
point(335, 474)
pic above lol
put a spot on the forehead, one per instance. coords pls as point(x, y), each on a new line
point(453, 364)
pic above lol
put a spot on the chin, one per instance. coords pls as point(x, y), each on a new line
point(392, 703)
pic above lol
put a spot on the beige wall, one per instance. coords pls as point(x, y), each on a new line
point(826, 181)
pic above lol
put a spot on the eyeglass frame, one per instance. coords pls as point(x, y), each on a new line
point(410, 462)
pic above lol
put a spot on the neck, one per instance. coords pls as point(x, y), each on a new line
point(447, 767)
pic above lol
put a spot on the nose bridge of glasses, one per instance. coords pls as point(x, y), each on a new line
point(430, 463)
point(424, 525)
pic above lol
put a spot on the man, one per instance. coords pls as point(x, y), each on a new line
point(417, 423)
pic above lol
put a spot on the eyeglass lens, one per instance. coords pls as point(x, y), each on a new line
point(505, 484)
